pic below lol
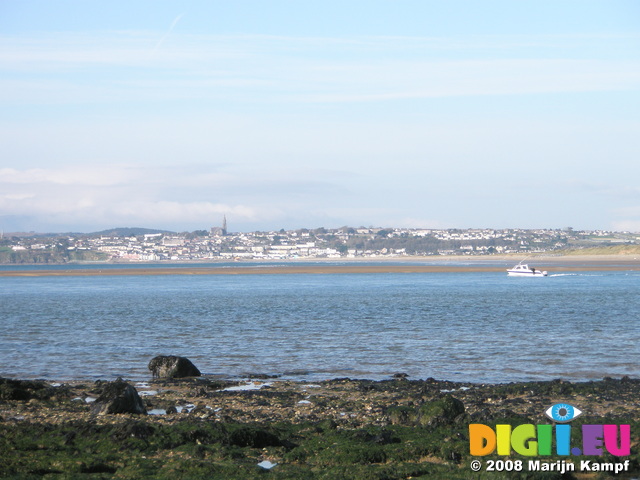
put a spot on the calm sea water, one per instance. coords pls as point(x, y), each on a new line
point(479, 327)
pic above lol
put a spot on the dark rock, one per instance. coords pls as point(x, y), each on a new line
point(11, 389)
point(483, 415)
point(132, 429)
point(254, 437)
point(200, 410)
point(118, 397)
point(98, 468)
point(402, 415)
point(383, 437)
point(262, 376)
point(170, 366)
point(441, 411)
point(326, 425)
point(400, 375)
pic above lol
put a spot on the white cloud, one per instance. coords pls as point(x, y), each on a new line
point(413, 222)
point(17, 196)
point(174, 212)
point(394, 80)
point(626, 226)
point(102, 175)
point(632, 211)
point(95, 195)
point(627, 218)
point(607, 190)
point(97, 213)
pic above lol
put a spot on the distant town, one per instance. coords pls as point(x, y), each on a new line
point(145, 245)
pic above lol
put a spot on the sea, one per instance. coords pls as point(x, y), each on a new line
point(481, 327)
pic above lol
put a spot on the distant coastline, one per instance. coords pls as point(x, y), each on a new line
point(345, 243)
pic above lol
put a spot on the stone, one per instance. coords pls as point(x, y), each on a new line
point(254, 437)
point(441, 411)
point(25, 390)
point(170, 366)
point(118, 397)
point(402, 415)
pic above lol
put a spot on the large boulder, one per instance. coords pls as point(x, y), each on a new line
point(170, 366)
point(440, 411)
point(118, 397)
point(11, 389)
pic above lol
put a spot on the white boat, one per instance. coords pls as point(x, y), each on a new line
point(524, 270)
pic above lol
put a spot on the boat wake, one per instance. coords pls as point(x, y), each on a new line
point(576, 275)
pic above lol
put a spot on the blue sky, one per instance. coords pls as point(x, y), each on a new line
point(290, 114)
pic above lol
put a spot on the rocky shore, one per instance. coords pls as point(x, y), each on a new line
point(199, 427)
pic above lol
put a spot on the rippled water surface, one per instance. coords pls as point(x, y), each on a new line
point(481, 327)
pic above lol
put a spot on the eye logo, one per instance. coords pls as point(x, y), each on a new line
point(562, 412)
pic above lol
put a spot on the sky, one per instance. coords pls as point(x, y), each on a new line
point(304, 114)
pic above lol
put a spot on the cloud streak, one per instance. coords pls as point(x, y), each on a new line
point(99, 176)
point(266, 69)
point(171, 27)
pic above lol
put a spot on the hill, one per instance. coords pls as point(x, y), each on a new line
point(129, 231)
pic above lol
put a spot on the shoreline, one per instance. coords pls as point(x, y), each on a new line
point(340, 428)
point(24, 399)
point(476, 264)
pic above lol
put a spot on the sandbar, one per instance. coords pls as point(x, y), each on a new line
point(552, 264)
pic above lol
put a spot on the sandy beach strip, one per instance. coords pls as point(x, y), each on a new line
point(555, 265)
